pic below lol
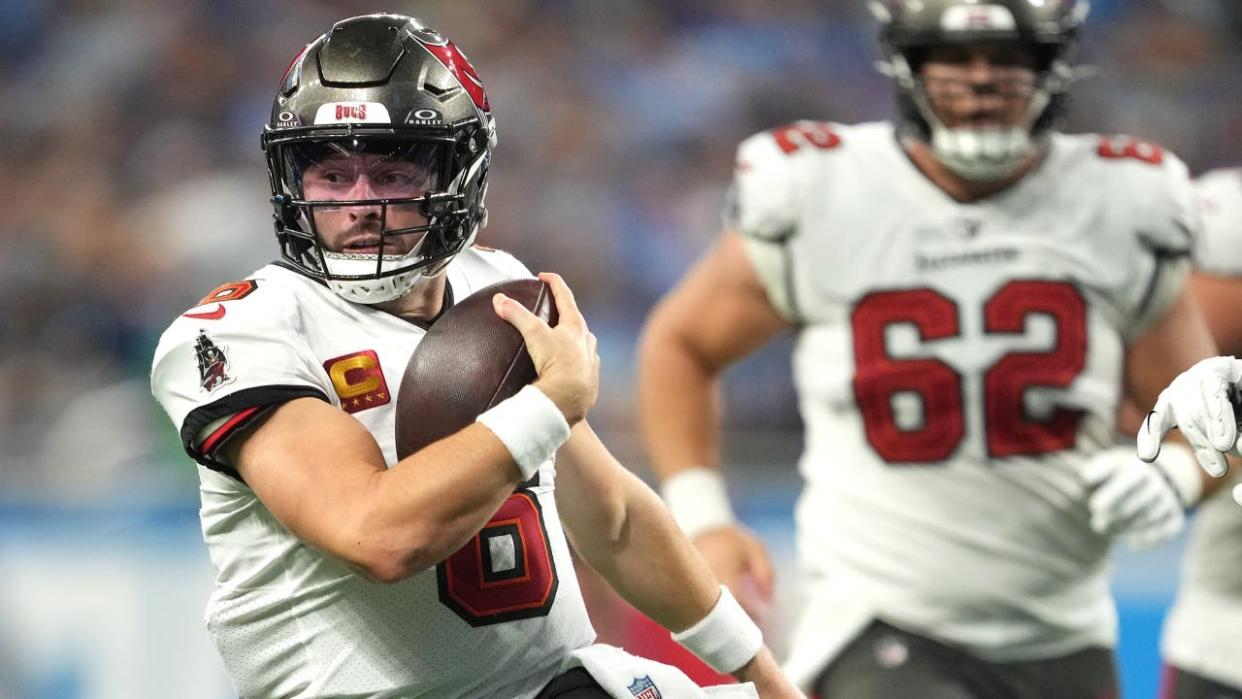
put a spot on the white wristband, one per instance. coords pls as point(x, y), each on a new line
point(726, 639)
point(530, 426)
point(1180, 467)
point(698, 500)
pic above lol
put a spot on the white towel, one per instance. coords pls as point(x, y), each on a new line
point(626, 676)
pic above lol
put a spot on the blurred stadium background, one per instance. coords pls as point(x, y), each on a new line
point(134, 184)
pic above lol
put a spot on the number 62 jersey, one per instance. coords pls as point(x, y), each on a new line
point(956, 364)
point(495, 619)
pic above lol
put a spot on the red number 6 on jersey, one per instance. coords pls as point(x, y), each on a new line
point(505, 572)
point(878, 377)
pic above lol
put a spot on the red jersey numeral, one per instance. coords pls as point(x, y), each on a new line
point(233, 291)
point(1116, 147)
point(878, 377)
point(816, 134)
point(1010, 431)
point(506, 571)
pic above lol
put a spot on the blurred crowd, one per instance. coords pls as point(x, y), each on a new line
point(136, 185)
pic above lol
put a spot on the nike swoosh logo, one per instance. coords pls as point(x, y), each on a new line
point(209, 315)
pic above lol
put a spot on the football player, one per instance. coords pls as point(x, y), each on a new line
point(973, 294)
point(1202, 646)
point(343, 571)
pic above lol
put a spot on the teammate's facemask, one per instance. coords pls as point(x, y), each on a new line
point(378, 151)
point(1030, 93)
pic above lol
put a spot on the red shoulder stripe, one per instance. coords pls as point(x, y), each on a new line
point(223, 431)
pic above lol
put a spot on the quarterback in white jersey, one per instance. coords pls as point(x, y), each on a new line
point(279, 601)
point(973, 295)
point(1202, 643)
point(344, 571)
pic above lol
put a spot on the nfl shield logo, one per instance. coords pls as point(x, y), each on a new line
point(644, 688)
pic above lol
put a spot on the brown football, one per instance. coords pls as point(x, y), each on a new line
point(470, 360)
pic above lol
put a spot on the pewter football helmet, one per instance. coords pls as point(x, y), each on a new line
point(391, 87)
point(1045, 28)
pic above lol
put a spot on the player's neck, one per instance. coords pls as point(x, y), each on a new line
point(957, 187)
point(423, 302)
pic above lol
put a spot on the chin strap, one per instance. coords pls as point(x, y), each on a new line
point(372, 291)
point(982, 155)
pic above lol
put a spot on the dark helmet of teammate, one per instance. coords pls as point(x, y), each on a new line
point(390, 86)
point(1047, 29)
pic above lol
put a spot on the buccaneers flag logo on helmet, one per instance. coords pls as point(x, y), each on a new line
point(457, 63)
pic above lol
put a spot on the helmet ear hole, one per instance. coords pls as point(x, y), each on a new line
point(1045, 57)
point(286, 213)
point(915, 58)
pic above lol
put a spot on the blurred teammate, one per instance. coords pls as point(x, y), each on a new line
point(1202, 643)
point(341, 570)
point(973, 295)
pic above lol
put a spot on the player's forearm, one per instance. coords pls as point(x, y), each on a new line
point(623, 531)
point(430, 504)
point(656, 569)
point(329, 486)
point(679, 403)
point(651, 563)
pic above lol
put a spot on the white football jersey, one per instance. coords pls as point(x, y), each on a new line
point(955, 365)
point(496, 619)
point(1203, 632)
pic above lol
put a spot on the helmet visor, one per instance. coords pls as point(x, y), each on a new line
point(985, 85)
point(366, 197)
point(361, 169)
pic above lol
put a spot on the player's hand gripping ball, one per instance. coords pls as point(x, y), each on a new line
point(470, 360)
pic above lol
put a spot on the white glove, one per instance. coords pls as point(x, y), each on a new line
point(1142, 503)
point(1198, 403)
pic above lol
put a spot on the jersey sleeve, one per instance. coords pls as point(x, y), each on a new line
point(1219, 249)
point(1168, 227)
point(508, 265)
point(217, 371)
point(762, 208)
